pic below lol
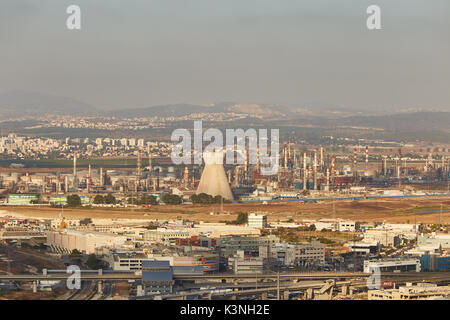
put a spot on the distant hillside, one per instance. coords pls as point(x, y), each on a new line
point(17, 103)
point(171, 110)
point(423, 121)
point(179, 110)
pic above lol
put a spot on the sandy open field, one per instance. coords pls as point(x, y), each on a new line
point(389, 210)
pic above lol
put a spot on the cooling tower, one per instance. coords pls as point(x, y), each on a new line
point(214, 180)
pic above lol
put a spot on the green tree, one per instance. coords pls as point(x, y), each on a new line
point(171, 199)
point(73, 200)
point(75, 252)
point(110, 199)
point(93, 263)
point(241, 219)
point(99, 199)
point(148, 199)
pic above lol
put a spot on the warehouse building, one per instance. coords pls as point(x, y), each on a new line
point(258, 221)
point(420, 291)
point(392, 265)
point(84, 241)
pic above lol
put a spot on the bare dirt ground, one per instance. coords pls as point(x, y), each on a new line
point(389, 210)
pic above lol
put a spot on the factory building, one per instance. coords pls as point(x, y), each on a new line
point(165, 235)
point(22, 199)
point(298, 254)
point(432, 262)
point(84, 241)
point(258, 221)
point(126, 261)
point(433, 240)
point(244, 264)
point(157, 276)
point(420, 291)
point(230, 245)
point(387, 238)
point(391, 265)
point(363, 247)
point(208, 261)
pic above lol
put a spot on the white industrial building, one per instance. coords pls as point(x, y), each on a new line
point(246, 265)
point(387, 238)
point(433, 240)
point(391, 265)
point(258, 221)
point(84, 241)
point(420, 291)
point(302, 253)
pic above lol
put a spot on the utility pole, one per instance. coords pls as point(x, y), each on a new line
point(278, 285)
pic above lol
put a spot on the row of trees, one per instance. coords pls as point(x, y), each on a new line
point(204, 198)
point(144, 200)
point(108, 199)
point(171, 199)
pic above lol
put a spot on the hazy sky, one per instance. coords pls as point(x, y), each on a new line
point(135, 53)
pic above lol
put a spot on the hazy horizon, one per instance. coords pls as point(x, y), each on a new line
point(142, 54)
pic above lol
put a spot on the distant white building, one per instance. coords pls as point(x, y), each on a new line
point(348, 225)
point(391, 265)
point(434, 240)
point(387, 238)
point(420, 291)
point(84, 241)
point(257, 221)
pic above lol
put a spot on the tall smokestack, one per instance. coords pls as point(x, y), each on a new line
point(304, 172)
point(315, 170)
point(186, 176)
point(245, 164)
point(328, 179)
point(138, 166)
point(289, 152)
point(354, 157)
point(333, 170)
point(322, 162)
point(74, 165)
point(367, 157)
point(149, 159)
point(74, 170)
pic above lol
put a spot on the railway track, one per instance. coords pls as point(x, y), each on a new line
point(87, 292)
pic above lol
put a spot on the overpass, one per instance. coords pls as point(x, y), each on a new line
point(92, 275)
point(322, 282)
point(100, 275)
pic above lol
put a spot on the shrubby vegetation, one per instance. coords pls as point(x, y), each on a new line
point(241, 219)
point(108, 199)
point(204, 198)
point(73, 200)
point(171, 199)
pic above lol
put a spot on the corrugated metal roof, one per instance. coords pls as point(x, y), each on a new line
point(177, 270)
point(155, 264)
point(157, 276)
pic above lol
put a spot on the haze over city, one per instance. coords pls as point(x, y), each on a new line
point(312, 54)
point(226, 151)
